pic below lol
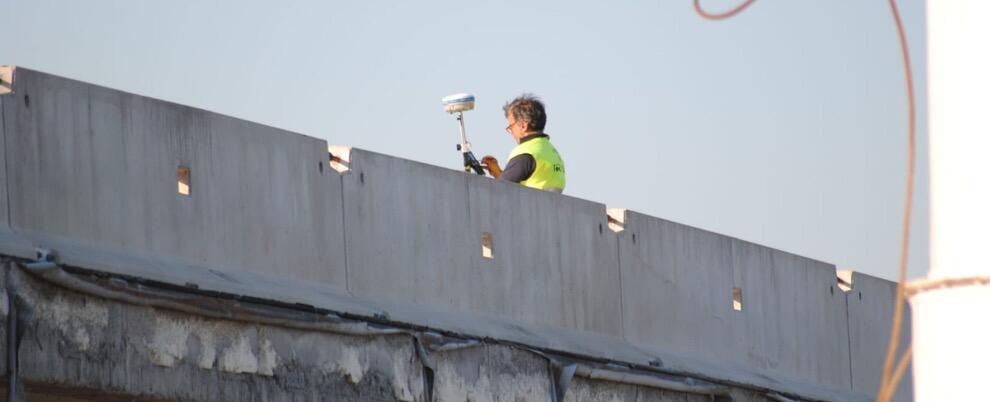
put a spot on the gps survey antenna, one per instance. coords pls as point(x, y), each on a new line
point(460, 103)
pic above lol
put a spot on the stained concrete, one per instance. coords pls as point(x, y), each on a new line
point(247, 285)
point(79, 341)
point(414, 232)
point(406, 230)
point(677, 288)
point(100, 165)
point(92, 173)
point(597, 390)
point(794, 316)
point(81, 347)
point(871, 310)
point(555, 260)
point(490, 373)
point(7, 124)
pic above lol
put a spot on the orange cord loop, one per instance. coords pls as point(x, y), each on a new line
point(892, 368)
point(720, 16)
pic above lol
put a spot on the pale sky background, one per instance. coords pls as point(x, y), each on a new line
point(785, 125)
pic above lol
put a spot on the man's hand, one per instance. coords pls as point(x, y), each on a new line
point(491, 165)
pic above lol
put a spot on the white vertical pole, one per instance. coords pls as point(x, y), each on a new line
point(465, 146)
point(951, 308)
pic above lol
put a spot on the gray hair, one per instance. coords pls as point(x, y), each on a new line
point(527, 108)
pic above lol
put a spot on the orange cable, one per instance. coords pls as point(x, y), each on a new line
point(895, 327)
point(891, 389)
point(723, 15)
point(928, 284)
point(891, 375)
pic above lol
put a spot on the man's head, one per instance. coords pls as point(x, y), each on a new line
point(525, 116)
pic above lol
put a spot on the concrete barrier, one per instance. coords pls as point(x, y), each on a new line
point(871, 310)
point(690, 290)
point(6, 125)
point(143, 176)
point(419, 233)
point(794, 316)
point(406, 229)
point(103, 166)
point(555, 259)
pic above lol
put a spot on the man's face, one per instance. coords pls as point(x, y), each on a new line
point(517, 129)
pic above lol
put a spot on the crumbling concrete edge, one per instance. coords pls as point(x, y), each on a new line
point(425, 341)
point(159, 273)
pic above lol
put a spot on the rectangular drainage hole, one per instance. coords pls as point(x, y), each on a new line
point(184, 180)
point(486, 245)
point(737, 299)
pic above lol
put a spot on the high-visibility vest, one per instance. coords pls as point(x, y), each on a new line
point(549, 172)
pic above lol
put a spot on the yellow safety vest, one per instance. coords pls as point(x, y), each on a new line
point(549, 172)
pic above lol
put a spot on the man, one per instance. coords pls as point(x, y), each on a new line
point(534, 162)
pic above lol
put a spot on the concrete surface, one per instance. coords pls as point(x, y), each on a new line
point(406, 230)
point(596, 390)
point(555, 258)
point(241, 285)
point(677, 287)
point(92, 173)
point(794, 315)
point(871, 310)
point(414, 233)
point(79, 341)
point(6, 125)
point(492, 373)
point(81, 347)
point(100, 166)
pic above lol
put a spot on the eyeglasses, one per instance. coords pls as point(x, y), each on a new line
point(508, 128)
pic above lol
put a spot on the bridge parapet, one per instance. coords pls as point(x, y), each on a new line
point(131, 174)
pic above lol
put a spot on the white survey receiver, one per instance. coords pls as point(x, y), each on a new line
point(460, 103)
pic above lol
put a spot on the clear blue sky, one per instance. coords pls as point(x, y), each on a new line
point(784, 126)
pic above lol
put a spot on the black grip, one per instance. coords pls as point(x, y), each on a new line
point(471, 163)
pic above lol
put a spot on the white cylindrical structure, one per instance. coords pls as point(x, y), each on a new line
point(951, 321)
